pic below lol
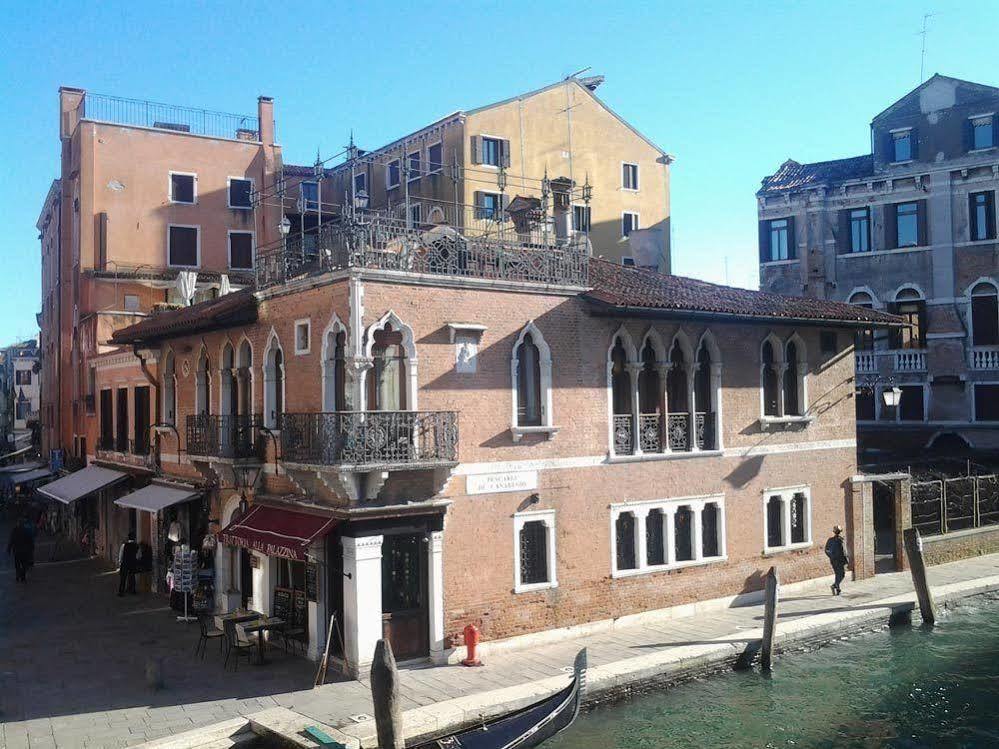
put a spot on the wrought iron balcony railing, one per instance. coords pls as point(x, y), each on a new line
point(116, 109)
point(370, 439)
point(654, 432)
point(383, 243)
point(230, 436)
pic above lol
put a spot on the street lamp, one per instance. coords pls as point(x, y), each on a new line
point(892, 396)
point(361, 199)
point(285, 226)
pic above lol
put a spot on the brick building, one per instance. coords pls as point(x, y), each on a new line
point(909, 228)
point(505, 434)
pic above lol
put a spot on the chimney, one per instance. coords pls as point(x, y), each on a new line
point(71, 110)
point(265, 114)
point(562, 204)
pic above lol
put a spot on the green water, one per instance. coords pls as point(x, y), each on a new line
point(906, 688)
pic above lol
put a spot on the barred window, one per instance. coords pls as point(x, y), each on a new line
point(655, 548)
point(709, 530)
point(626, 553)
point(684, 534)
point(798, 512)
point(787, 518)
point(533, 553)
point(775, 522)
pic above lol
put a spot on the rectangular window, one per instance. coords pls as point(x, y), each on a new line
point(107, 421)
point(780, 242)
point(489, 206)
point(492, 151)
point(581, 218)
point(982, 132)
point(787, 517)
point(629, 176)
point(303, 335)
point(865, 404)
point(182, 246)
point(982, 215)
point(415, 215)
point(182, 188)
point(628, 260)
point(902, 146)
point(131, 302)
point(22, 377)
point(910, 404)
point(860, 230)
point(907, 225)
point(435, 158)
point(360, 183)
point(241, 250)
point(239, 192)
point(914, 335)
point(827, 341)
point(415, 163)
point(534, 549)
point(629, 223)
point(986, 402)
point(392, 170)
point(310, 196)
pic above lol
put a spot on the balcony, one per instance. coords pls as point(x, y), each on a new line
point(654, 432)
point(380, 242)
point(866, 362)
point(117, 110)
point(985, 357)
point(226, 437)
point(910, 360)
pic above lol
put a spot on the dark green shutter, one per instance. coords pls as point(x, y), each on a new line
point(764, 241)
point(969, 135)
point(891, 226)
point(844, 240)
point(792, 245)
point(921, 236)
point(476, 149)
point(914, 144)
point(505, 152)
point(972, 218)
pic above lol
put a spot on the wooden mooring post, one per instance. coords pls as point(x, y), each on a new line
point(385, 695)
point(771, 593)
point(917, 567)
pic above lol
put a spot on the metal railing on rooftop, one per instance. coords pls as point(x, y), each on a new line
point(384, 243)
point(119, 110)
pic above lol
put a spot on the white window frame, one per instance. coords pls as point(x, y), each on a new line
point(588, 210)
point(418, 207)
point(194, 189)
point(307, 322)
point(973, 119)
point(388, 173)
point(440, 166)
point(228, 193)
point(499, 140)
point(786, 494)
point(520, 519)
point(547, 426)
point(896, 135)
point(197, 228)
point(669, 509)
point(138, 303)
point(253, 248)
point(635, 224)
point(638, 182)
point(780, 360)
point(418, 153)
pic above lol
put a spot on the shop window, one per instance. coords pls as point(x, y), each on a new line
point(626, 551)
point(534, 534)
point(788, 519)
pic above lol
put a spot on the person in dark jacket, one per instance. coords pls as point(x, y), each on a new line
point(22, 546)
point(127, 563)
point(836, 552)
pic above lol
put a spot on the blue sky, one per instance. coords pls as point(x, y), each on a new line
point(732, 89)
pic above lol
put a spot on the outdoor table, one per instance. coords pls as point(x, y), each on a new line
point(261, 625)
point(235, 617)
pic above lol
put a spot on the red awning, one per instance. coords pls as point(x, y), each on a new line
point(276, 532)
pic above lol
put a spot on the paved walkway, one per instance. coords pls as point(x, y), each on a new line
point(73, 655)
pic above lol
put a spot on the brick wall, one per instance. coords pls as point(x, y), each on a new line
point(960, 545)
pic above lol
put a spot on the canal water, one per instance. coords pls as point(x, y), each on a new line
point(905, 688)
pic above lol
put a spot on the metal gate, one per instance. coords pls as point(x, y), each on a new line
point(948, 505)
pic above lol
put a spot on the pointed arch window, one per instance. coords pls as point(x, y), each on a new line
point(792, 402)
point(227, 402)
point(864, 339)
point(531, 375)
point(650, 400)
point(387, 381)
point(244, 379)
point(705, 385)
point(335, 370)
point(273, 384)
point(203, 385)
point(678, 400)
point(768, 375)
point(624, 432)
point(985, 315)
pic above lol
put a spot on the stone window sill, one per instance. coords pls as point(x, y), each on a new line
point(534, 587)
point(668, 567)
point(778, 550)
point(766, 422)
point(791, 261)
point(548, 431)
point(664, 456)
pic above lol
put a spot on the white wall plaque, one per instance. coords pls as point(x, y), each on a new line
point(509, 481)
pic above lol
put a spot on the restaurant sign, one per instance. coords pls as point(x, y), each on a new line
point(508, 481)
point(270, 548)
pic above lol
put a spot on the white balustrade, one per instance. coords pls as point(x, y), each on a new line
point(985, 357)
point(910, 361)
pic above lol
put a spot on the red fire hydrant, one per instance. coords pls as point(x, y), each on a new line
point(472, 637)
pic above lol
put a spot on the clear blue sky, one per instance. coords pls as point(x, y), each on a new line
point(732, 89)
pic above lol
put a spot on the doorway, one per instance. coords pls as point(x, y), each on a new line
point(405, 612)
point(885, 550)
point(245, 578)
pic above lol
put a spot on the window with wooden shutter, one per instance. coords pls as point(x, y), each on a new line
point(182, 246)
point(476, 149)
point(241, 250)
point(982, 216)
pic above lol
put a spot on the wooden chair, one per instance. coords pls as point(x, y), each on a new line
point(238, 643)
point(209, 632)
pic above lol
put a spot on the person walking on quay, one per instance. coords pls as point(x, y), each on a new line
point(22, 546)
point(836, 552)
point(127, 557)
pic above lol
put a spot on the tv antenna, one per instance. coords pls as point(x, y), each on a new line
point(922, 56)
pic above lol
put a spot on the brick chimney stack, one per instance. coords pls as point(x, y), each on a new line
point(265, 114)
point(70, 111)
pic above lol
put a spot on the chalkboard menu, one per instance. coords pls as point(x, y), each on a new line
point(292, 606)
point(312, 582)
point(282, 603)
point(300, 613)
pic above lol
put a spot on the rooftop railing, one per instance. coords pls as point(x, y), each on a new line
point(116, 109)
point(384, 243)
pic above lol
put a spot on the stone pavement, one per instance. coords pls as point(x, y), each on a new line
point(71, 667)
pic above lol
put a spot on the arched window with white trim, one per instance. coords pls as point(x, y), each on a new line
point(770, 359)
point(335, 368)
point(678, 382)
point(203, 384)
point(227, 382)
point(910, 305)
point(273, 383)
point(387, 379)
point(794, 377)
point(864, 338)
point(244, 379)
point(170, 389)
point(531, 375)
point(985, 315)
point(707, 394)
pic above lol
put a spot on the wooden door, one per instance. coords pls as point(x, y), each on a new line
point(404, 595)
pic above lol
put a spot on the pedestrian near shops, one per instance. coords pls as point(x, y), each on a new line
point(836, 552)
point(127, 560)
point(22, 546)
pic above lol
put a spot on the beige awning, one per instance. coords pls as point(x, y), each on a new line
point(156, 497)
point(81, 483)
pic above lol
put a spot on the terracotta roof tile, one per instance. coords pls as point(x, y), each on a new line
point(237, 308)
point(794, 176)
point(623, 287)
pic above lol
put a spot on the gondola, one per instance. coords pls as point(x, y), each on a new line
point(528, 727)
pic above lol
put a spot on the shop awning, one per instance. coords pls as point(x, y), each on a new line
point(156, 497)
point(24, 477)
point(276, 532)
point(81, 483)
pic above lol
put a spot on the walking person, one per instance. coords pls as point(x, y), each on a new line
point(22, 546)
point(836, 552)
point(127, 558)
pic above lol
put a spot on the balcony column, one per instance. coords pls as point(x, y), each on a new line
point(716, 404)
point(663, 368)
point(697, 540)
point(691, 373)
point(435, 586)
point(357, 377)
point(669, 533)
point(634, 369)
point(780, 369)
point(642, 540)
point(362, 599)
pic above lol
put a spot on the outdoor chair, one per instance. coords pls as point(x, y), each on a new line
point(209, 632)
point(292, 637)
point(237, 643)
